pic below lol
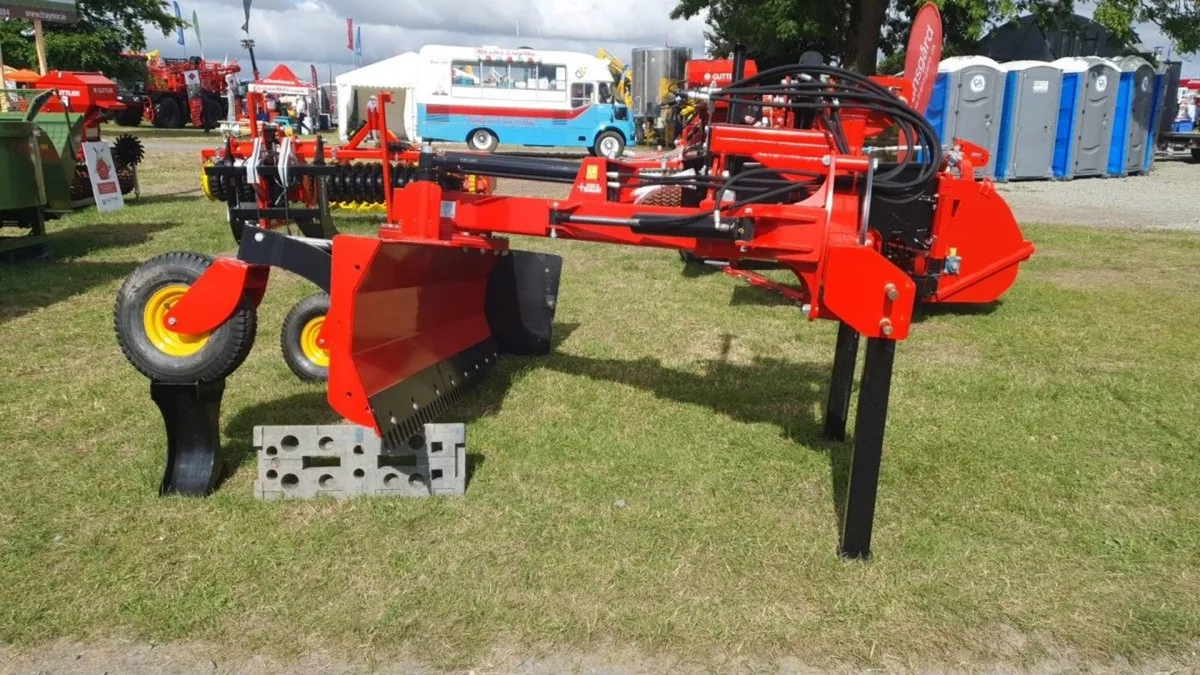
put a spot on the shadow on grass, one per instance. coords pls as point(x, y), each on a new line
point(744, 294)
point(179, 196)
point(784, 394)
point(927, 311)
point(76, 242)
point(26, 286)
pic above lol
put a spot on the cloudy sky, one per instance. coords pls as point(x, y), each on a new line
point(303, 32)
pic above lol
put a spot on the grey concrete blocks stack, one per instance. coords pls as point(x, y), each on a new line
point(341, 461)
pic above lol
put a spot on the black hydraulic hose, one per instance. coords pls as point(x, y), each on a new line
point(530, 168)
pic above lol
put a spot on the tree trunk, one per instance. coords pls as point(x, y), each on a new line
point(866, 44)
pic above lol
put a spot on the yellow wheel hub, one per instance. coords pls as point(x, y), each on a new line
point(312, 350)
point(163, 338)
point(205, 184)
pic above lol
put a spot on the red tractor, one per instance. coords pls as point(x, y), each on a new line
point(174, 92)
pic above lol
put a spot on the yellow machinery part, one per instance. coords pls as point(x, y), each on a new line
point(310, 346)
point(164, 339)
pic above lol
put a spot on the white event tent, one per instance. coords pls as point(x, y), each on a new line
point(397, 75)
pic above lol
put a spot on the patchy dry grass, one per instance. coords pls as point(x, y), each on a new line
point(1038, 488)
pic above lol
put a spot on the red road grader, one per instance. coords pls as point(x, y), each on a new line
point(410, 319)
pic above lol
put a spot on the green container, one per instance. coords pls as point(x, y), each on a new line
point(21, 182)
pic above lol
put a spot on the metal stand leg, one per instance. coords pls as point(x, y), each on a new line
point(192, 414)
point(838, 408)
point(868, 448)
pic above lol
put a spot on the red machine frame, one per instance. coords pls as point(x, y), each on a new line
point(431, 262)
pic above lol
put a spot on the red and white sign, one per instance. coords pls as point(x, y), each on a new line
point(102, 170)
point(924, 54)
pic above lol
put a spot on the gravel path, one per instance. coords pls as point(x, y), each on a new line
point(1164, 199)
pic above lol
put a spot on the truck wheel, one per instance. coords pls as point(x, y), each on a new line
point(167, 114)
point(210, 115)
point(1196, 154)
point(609, 144)
point(160, 353)
point(482, 140)
point(130, 116)
point(304, 355)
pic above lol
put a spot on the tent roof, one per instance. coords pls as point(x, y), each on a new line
point(398, 71)
point(281, 81)
point(20, 75)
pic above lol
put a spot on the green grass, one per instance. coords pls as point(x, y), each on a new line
point(1037, 497)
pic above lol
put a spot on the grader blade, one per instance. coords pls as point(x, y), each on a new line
point(416, 326)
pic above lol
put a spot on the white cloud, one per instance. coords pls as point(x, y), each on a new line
point(303, 32)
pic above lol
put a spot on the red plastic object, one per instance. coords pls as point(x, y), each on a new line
point(924, 54)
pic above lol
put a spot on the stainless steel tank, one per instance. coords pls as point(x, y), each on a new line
point(654, 70)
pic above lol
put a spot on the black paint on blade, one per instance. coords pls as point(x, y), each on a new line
point(403, 409)
point(522, 296)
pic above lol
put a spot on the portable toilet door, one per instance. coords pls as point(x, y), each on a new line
point(1073, 72)
point(1028, 122)
point(1138, 75)
point(974, 98)
point(1096, 112)
point(1157, 105)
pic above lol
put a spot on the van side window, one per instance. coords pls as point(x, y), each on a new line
point(581, 94)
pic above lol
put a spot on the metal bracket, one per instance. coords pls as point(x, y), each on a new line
point(309, 258)
point(858, 518)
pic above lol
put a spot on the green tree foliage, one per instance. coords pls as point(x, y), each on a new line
point(853, 32)
point(104, 30)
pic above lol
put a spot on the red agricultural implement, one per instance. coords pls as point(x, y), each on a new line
point(356, 182)
point(414, 316)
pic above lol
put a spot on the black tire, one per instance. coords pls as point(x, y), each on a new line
point(167, 114)
point(482, 140)
point(610, 144)
point(291, 338)
point(226, 347)
point(210, 115)
point(130, 116)
point(1196, 154)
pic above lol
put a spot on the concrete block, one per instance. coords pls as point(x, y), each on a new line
point(343, 461)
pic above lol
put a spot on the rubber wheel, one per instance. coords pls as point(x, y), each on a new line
point(298, 339)
point(609, 144)
point(482, 140)
point(210, 115)
point(130, 116)
point(167, 114)
point(162, 354)
point(1196, 154)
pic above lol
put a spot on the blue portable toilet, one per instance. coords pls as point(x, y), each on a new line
point(1131, 117)
point(1158, 105)
point(1029, 120)
point(966, 103)
point(1084, 134)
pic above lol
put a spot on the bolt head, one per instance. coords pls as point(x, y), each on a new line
point(891, 291)
point(885, 326)
point(172, 321)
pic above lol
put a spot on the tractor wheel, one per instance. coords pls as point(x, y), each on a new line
point(307, 358)
point(160, 353)
point(167, 114)
point(130, 116)
point(210, 115)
